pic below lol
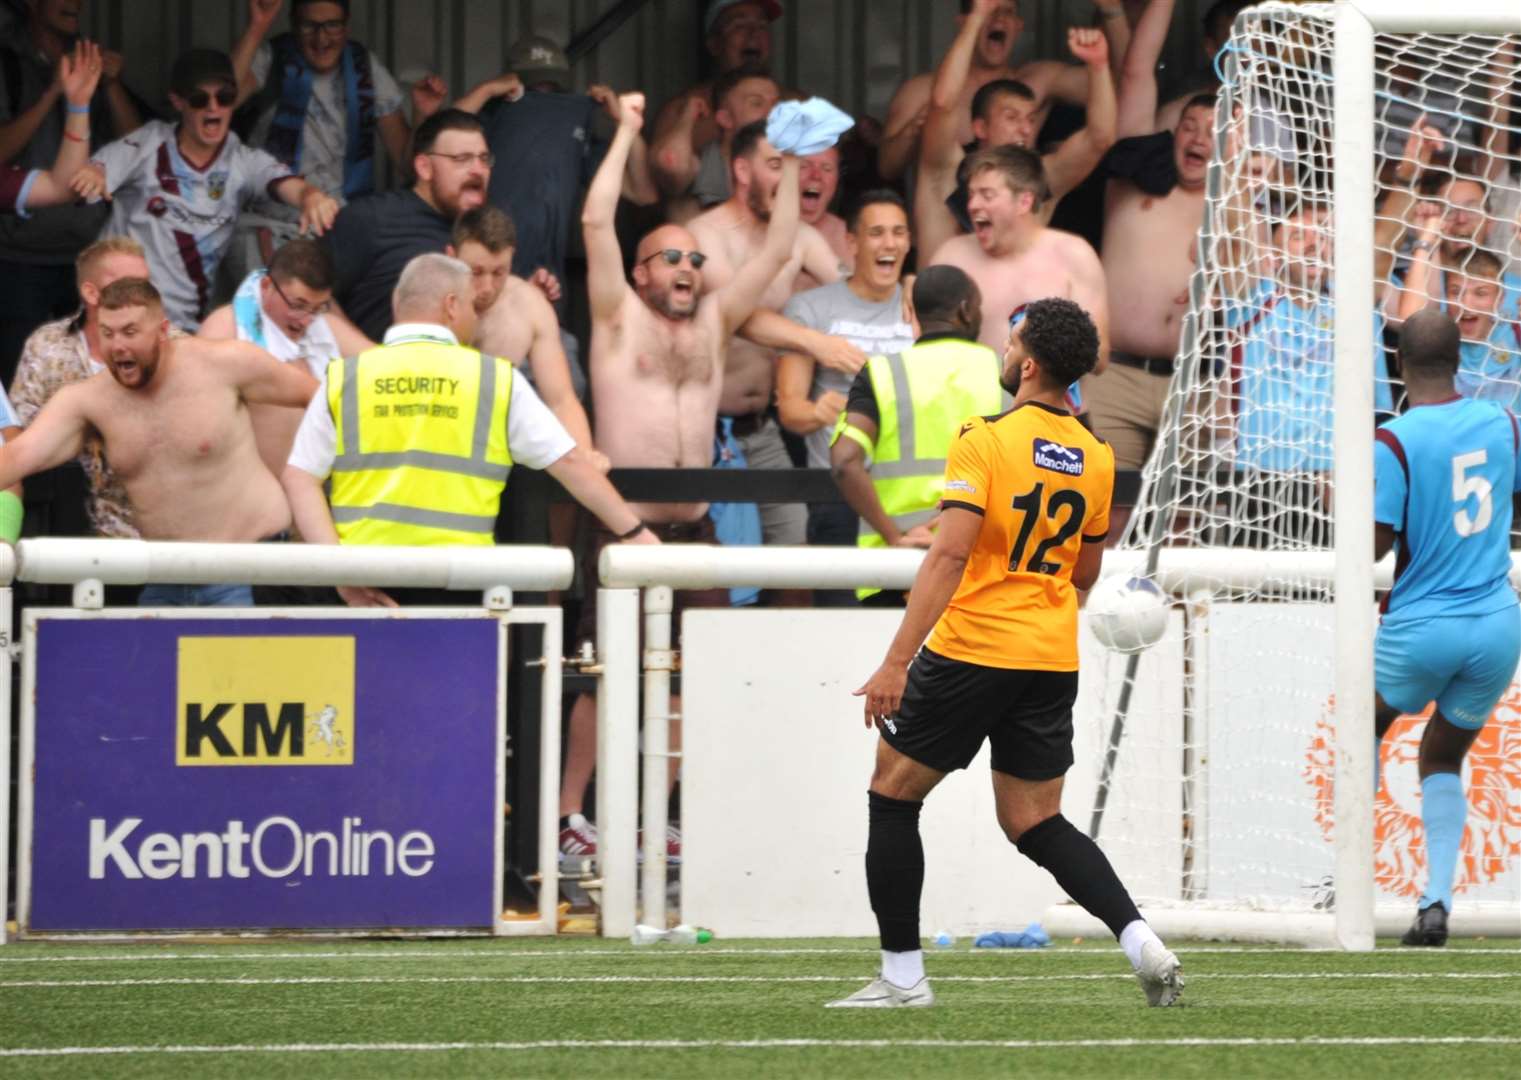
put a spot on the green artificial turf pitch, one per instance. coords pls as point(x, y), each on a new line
point(582, 1007)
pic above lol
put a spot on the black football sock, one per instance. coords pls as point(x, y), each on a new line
point(895, 870)
point(1081, 869)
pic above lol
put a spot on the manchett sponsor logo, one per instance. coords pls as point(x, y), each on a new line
point(1058, 458)
point(960, 485)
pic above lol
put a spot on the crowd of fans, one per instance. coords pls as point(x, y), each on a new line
point(246, 232)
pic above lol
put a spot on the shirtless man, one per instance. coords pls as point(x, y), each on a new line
point(1013, 256)
point(288, 312)
point(1048, 79)
point(172, 416)
point(1148, 256)
point(657, 371)
point(517, 322)
point(1003, 114)
point(731, 235)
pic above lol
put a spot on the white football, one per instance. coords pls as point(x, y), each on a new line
point(1127, 614)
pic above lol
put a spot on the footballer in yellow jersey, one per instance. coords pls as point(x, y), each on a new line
point(1024, 516)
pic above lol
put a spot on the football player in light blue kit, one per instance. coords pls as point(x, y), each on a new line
point(1451, 631)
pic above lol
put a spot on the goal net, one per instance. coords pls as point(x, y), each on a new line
point(1217, 792)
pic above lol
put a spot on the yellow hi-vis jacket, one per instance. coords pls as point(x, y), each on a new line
point(923, 395)
point(422, 452)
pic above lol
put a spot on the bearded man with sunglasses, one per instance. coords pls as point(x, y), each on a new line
point(178, 189)
point(657, 369)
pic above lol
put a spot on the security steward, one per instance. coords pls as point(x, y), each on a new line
point(417, 436)
point(889, 447)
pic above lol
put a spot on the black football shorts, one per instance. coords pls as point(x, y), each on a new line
point(950, 706)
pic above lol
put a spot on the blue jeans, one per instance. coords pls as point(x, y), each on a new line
point(196, 596)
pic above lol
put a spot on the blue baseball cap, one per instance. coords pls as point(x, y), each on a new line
point(772, 8)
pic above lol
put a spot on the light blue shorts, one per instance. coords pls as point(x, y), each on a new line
point(1464, 663)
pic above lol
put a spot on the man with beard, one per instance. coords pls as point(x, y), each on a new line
point(997, 598)
point(1047, 79)
point(171, 415)
point(732, 235)
point(657, 372)
point(889, 448)
point(70, 350)
point(1003, 114)
point(1012, 255)
point(375, 237)
point(287, 311)
point(177, 189)
point(516, 322)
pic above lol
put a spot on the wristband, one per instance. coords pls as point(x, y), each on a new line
point(11, 513)
point(79, 110)
point(635, 531)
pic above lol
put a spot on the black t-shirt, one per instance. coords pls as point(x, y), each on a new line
point(548, 148)
point(371, 242)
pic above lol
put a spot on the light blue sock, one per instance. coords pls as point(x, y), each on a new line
point(1444, 810)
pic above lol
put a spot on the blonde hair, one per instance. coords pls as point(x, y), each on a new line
point(92, 256)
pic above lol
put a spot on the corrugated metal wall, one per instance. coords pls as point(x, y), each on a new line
point(854, 52)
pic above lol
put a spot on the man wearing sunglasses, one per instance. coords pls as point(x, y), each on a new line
point(657, 370)
point(288, 312)
point(178, 189)
point(323, 104)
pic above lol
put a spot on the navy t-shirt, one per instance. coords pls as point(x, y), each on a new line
point(371, 242)
point(548, 148)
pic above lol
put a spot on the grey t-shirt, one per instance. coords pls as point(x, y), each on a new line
point(877, 329)
point(711, 186)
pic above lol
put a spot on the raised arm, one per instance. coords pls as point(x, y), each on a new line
point(940, 152)
point(906, 118)
point(55, 435)
point(606, 285)
point(738, 299)
point(1110, 18)
point(1071, 162)
point(261, 19)
point(508, 86)
point(673, 157)
point(79, 74)
point(1138, 77)
point(638, 180)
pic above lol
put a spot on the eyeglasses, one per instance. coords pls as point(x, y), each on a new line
point(298, 306)
point(672, 257)
point(463, 160)
point(332, 28)
point(199, 99)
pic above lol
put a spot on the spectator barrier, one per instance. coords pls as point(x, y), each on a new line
point(137, 810)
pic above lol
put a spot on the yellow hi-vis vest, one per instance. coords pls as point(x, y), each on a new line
point(923, 395)
point(422, 452)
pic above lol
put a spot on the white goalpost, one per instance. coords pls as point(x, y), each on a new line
point(1366, 165)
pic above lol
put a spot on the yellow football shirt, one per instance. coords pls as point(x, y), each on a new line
point(1042, 483)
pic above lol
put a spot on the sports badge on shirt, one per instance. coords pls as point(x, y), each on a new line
point(216, 185)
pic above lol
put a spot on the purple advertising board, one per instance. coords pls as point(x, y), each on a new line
point(281, 773)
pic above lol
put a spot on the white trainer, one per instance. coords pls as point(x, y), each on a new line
point(881, 994)
point(1160, 974)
